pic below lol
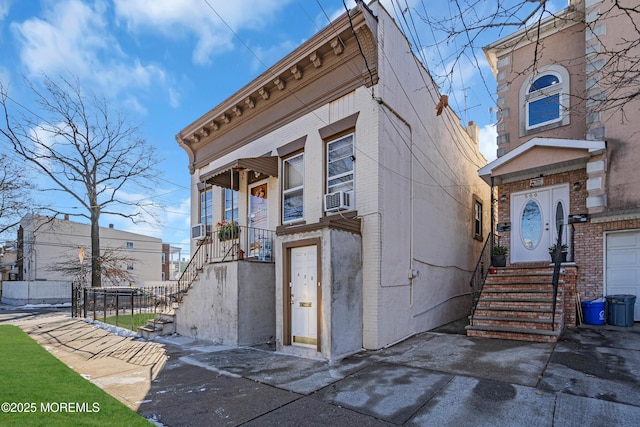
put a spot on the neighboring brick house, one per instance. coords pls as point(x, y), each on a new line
point(564, 158)
point(360, 214)
point(170, 266)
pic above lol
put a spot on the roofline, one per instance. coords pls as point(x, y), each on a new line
point(593, 147)
point(275, 77)
point(554, 23)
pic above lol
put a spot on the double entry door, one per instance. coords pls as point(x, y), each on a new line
point(536, 217)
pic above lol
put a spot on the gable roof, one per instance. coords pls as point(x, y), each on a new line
point(541, 154)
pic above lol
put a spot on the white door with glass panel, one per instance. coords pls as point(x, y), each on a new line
point(536, 216)
point(304, 296)
point(259, 238)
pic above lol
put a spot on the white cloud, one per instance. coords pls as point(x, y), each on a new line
point(204, 20)
point(174, 98)
point(72, 37)
point(488, 145)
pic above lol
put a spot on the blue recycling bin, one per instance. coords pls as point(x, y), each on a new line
point(620, 309)
point(594, 311)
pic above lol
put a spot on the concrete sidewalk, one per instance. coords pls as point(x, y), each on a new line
point(590, 377)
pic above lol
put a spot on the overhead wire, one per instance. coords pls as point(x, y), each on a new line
point(308, 108)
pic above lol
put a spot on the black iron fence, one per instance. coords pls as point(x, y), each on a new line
point(126, 307)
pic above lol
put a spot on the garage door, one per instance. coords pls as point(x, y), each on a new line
point(623, 266)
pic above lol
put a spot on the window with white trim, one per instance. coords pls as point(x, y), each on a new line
point(340, 164)
point(477, 219)
point(293, 189)
point(206, 207)
point(230, 205)
point(129, 245)
point(544, 101)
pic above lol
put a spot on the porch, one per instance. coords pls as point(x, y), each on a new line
point(226, 292)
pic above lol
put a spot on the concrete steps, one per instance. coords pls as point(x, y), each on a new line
point(162, 324)
point(517, 304)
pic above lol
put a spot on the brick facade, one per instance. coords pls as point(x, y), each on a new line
point(587, 238)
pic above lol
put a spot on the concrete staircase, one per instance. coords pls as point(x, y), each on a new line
point(162, 324)
point(516, 303)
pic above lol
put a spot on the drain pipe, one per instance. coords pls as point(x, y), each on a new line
point(412, 273)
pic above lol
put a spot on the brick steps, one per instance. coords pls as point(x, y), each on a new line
point(515, 334)
point(517, 304)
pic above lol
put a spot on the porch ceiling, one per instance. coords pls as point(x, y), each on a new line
point(227, 176)
point(541, 155)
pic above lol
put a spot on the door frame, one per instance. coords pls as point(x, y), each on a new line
point(551, 207)
point(286, 289)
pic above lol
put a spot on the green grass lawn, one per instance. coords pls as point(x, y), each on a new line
point(124, 320)
point(37, 389)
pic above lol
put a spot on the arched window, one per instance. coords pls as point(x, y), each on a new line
point(543, 101)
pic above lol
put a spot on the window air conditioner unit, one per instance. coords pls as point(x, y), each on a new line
point(338, 201)
point(199, 231)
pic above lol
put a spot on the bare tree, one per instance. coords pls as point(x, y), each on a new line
point(84, 150)
point(469, 23)
point(14, 194)
point(113, 263)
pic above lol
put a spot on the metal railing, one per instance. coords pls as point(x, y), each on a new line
point(243, 243)
point(480, 274)
point(557, 261)
point(123, 306)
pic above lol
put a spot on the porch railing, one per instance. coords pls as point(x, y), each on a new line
point(557, 261)
point(480, 274)
point(246, 243)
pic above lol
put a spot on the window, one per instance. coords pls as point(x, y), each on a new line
point(544, 100)
point(230, 205)
point(130, 266)
point(129, 245)
point(206, 207)
point(340, 164)
point(477, 220)
point(543, 103)
point(163, 258)
point(293, 189)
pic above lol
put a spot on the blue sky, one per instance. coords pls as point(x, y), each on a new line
point(166, 63)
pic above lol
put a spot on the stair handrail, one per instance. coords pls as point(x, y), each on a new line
point(190, 271)
point(480, 274)
point(557, 261)
point(220, 248)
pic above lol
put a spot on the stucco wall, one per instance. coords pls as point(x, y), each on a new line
point(345, 298)
point(231, 303)
point(341, 286)
point(36, 292)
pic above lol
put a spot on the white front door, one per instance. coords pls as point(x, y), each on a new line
point(304, 296)
point(536, 216)
point(259, 243)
